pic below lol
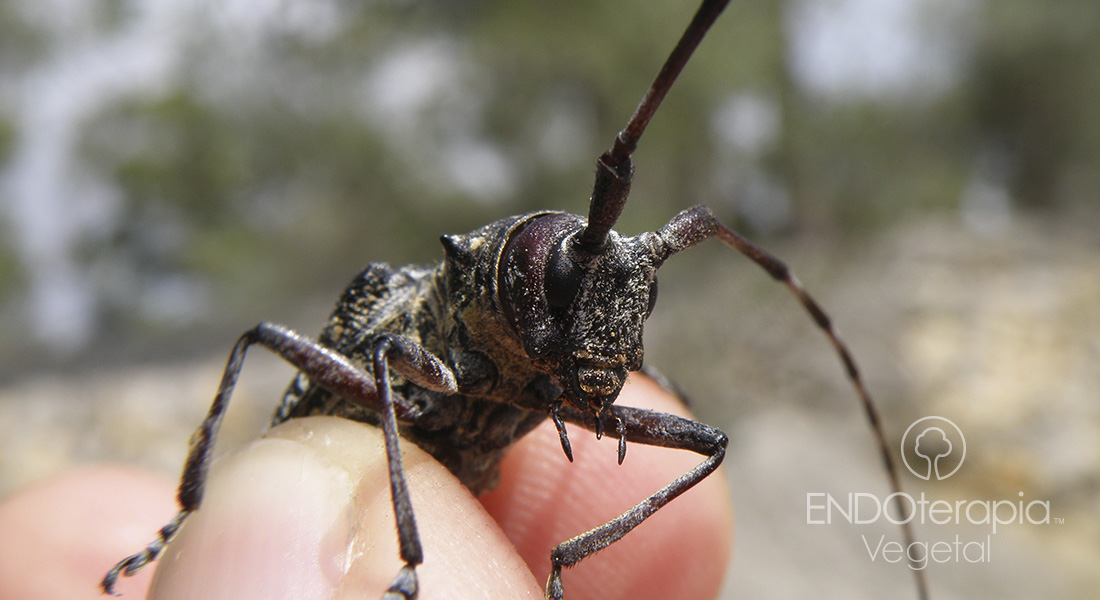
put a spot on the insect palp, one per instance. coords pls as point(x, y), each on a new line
point(620, 428)
point(555, 416)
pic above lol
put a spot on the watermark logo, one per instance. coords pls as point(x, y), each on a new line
point(933, 447)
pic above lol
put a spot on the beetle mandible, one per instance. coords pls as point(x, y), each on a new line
point(530, 317)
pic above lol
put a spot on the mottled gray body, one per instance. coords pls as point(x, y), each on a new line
point(451, 310)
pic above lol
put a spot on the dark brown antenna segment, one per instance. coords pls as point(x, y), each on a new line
point(614, 169)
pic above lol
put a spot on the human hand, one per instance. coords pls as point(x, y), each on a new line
point(305, 512)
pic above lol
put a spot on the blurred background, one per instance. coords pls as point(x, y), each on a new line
point(174, 171)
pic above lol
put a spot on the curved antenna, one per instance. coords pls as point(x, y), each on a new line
point(614, 169)
point(696, 224)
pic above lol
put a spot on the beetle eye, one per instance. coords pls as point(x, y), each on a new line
point(563, 278)
point(652, 297)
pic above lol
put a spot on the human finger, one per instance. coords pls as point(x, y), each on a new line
point(59, 536)
point(305, 512)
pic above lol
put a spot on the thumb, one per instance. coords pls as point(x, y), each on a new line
point(305, 512)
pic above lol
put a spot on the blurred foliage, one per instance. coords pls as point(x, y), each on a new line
point(7, 139)
point(10, 269)
point(1032, 93)
point(20, 43)
point(270, 164)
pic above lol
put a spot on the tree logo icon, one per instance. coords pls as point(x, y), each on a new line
point(933, 447)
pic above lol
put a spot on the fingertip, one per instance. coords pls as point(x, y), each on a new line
point(60, 536)
point(273, 519)
point(306, 512)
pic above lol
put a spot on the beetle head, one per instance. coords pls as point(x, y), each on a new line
point(579, 313)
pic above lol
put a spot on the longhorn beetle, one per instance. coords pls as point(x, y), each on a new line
point(533, 316)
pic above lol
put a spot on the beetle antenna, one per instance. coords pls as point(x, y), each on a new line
point(614, 169)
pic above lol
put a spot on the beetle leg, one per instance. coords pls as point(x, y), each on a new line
point(645, 427)
point(421, 367)
point(322, 365)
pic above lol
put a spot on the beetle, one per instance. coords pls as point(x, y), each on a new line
point(529, 318)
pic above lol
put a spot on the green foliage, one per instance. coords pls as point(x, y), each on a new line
point(10, 269)
point(7, 139)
